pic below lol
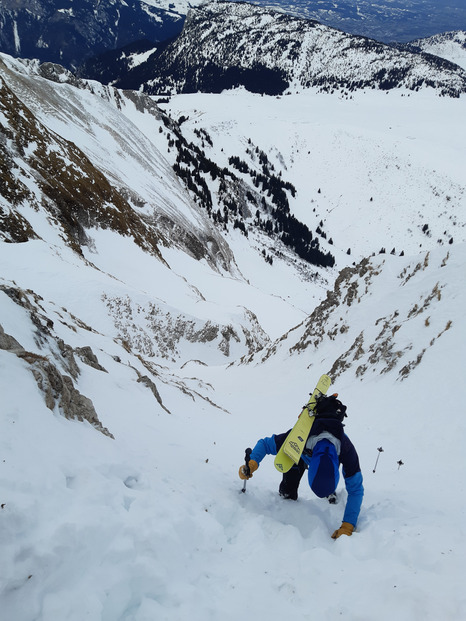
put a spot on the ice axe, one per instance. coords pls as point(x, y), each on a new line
point(247, 472)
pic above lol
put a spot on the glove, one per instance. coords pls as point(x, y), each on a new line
point(345, 529)
point(253, 466)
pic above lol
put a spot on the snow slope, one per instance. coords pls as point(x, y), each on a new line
point(448, 45)
point(150, 523)
point(373, 168)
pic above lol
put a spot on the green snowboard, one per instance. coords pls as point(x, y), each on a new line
point(291, 450)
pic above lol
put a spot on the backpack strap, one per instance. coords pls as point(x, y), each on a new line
point(325, 435)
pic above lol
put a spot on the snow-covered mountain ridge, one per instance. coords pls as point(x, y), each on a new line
point(152, 207)
point(226, 44)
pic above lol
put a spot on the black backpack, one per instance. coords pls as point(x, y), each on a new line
point(330, 407)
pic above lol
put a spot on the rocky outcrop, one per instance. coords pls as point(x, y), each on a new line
point(54, 369)
point(58, 390)
point(158, 330)
point(47, 172)
point(343, 326)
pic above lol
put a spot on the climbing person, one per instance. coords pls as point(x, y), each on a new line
point(327, 447)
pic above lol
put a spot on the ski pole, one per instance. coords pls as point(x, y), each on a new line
point(247, 455)
point(380, 449)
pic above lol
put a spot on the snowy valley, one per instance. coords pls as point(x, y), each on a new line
point(176, 273)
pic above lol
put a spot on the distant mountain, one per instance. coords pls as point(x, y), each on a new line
point(449, 45)
point(69, 32)
point(74, 31)
point(224, 45)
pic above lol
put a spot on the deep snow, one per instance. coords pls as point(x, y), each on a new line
point(152, 525)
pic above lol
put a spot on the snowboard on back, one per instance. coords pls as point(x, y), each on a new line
point(292, 449)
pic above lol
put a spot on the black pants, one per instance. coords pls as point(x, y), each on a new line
point(290, 481)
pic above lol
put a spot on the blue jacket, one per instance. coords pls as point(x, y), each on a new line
point(348, 459)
